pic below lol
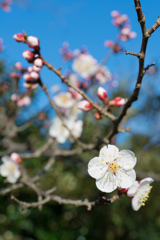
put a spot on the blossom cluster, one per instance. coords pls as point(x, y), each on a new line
point(32, 74)
point(102, 94)
point(70, 126)
point(10, 167)
point(85, 67)
point(124, 31)
point(113, 169)
point(5, 5)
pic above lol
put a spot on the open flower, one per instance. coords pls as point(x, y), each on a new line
point(139, 192)
point(64, 100)
point(61, 133)
point(9, 169)
point(113, 169)
point(85, 65)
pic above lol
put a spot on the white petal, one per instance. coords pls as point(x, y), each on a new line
point(96, 168)
point(126, 178)
point(4, 170)
point(5, 159)
point(17, 173)
point(108, 183)
point(133, 189)
point(146, 181)
point(136, 203)
point(109, 153)
point(11, 179)
point(62, 138)
point(126, 159)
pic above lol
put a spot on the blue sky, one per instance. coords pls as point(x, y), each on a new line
point(81, 23)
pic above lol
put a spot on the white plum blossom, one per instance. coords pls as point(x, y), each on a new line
point(85, 65)
point(113, 169)
point(9, 169)
point(64, 100)
point(103, 74)
point(73, 79)
point(61, 133)
point(139, 192)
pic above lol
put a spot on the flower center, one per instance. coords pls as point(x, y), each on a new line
point(112, 167)
point(64, 99)
point(145, 197)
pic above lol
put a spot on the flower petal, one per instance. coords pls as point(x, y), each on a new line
point(146, 181)
point(16, 173)
point(96, 168)
point(126, 159)
point(126, 178)
point(109, 153)
point(136, 203)
point(108, 183)
point(133, 189)
point(11, 179)
point(4, 170)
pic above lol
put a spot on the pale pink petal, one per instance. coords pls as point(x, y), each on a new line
point(126, 178)
point(11, 179)
point(126, 159)
point(109, 152)
point(4, 170)
point(107, 183)
point(133, 189)
point(146, 181)
point(96, 168)
point(136, 203)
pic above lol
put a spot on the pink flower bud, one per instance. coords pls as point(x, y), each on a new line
point(118, 102)
point(97, 115)
point(102, 93)
point(33, 42)
point(124, 18)
point(115, 14)
point(16, 158)
point(13, 75)
point(19, 37)
point(36, 69)
point(27, 76)
point(28, 55)
point(30, 85)
point(132, 34)
point(25, 101)
point(18, 65)
point(109, 43)
point(75, 94)
point(30, 69)
point(34, 75)
point(125, 30)
point(38, 62)
point(84, 105)
point(14, 97)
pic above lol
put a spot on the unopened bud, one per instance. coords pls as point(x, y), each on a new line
point(38, 62)
point(97, 115)
point(118, 102)
point(27, 76)
point(19, 37)
point(28, 55)
point(34, 75)
point(16, 158)
point(18, 65)
point(102, 94)
point(33, 42)
point(84, 105)
point(36, 69)
point(115, 14)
